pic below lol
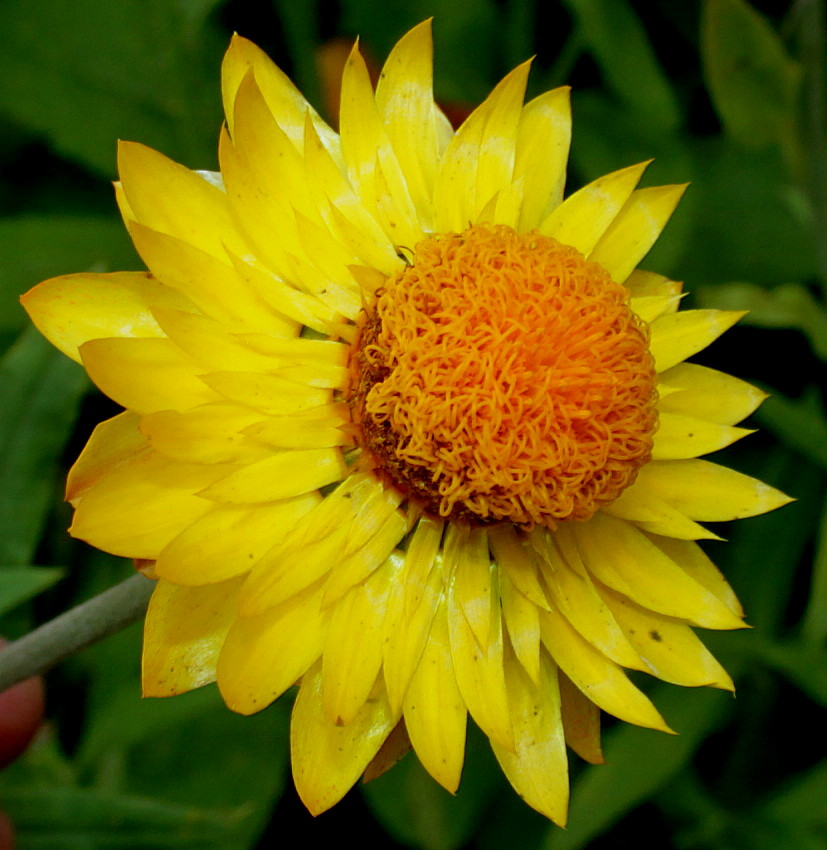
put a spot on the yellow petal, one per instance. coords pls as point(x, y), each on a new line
point(145, 375)
point(671, 650)
point(479, 160)
point(328, 759)
point(138, 507)
point(316, 353)
point(113, 442)
point(644, 284)
point(273, 190)
point(332, 283)
point(251, 165)
point(353, 648)
point(73, 309)
point(710, 493)
point(285, 571)
point(518, 562)
point(167, 197)
point(209, 343)
point(523, 625)
point(466, 559)
point(622, 557)
point(600, 679)
point(184, 632)
point(583, 218)
point(572, 593)
point(538, 768)
point(356, 566)
point(581, 721)
point(412, 606)
point(435, 713)
point(280, 476)
point(320, 427)
point(299, 306)
point(127, 214)
point(340, 525)
point(708, 394)
point(229, 540)
point(273, 159)
point(480, 673)
point(369, 154)
point(207, 434)
point(284, 101)
point(271, 394)
point(680, 335)
point(636, 228)
point(404, 96)
point(543, 139)
point(372, 252)
point(679, 436)
point(693, 560)
point(651, 307)
point(210, 283)
point(640, 505)
point(264, 655)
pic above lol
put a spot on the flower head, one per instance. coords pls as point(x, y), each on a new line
point(403, 425)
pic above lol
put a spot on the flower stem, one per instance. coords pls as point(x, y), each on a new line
point(87, 623)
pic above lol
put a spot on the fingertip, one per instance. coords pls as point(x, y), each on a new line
point(6, 832)
point(21, 713)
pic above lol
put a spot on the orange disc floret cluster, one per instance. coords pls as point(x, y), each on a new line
point(502, 376)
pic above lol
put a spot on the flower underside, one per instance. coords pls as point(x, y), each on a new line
point(501, 376)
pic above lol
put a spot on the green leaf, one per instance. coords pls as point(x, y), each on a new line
point(763, 554)
point(188, 750)
point(56, 816)
point(707, 824)
point(19, 584)
point(40, 392)
point(614, 35)
point(799, 424)
point(84, 73)
point(604, 793)
point(790, 305)
point(38, 247)
point(802, 663)
point(750, 225)
point(753, 82)
point(802, 802)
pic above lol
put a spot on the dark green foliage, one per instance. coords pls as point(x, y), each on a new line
point(726, 94)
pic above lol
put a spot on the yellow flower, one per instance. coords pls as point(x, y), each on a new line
point(404, 425)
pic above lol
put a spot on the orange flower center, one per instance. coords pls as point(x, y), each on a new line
point(502, 376)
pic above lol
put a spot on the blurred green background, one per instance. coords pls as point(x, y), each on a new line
point(725, 94)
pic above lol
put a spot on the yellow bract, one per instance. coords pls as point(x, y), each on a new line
point(283, 553)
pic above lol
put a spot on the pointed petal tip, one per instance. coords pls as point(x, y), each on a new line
point(772, 499)
point(239, 42)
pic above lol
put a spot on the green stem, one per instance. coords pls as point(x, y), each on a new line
point(87, 623)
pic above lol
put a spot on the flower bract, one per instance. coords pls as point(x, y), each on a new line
point(405, 426)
